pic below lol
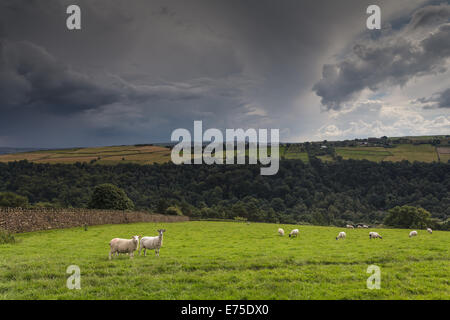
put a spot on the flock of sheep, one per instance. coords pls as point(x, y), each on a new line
point(129, 246)
point(342, 234)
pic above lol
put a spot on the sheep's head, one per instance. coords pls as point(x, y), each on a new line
point(161, 231)
point(135, 238)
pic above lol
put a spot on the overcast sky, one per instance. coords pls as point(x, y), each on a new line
point(139, 69)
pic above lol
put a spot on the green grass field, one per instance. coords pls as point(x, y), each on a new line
point(227, 260)
point(423, 152)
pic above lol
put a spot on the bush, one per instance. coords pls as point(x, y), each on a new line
point(12, 200)
point(408, 217)
point(240, 219)
point(6, 237)
point(174, 211)
point(108, 196)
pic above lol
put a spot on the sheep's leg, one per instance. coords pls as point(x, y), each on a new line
point(131, 255)
point(145, 252)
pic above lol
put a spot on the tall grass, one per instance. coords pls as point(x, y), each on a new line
point(6, 237)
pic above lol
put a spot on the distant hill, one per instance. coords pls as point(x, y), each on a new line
point(8, 150)
point(421, 148)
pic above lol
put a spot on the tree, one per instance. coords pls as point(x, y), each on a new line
point(109, 196)
point(174, 211)
point(408, 217)
point(12, 200)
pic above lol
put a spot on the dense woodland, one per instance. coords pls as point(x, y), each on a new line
point(321, 193)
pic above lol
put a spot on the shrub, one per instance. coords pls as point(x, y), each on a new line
point(12, 200)
point(108, 196)
point(174, 211)
point(408, 217)
point(6, 237)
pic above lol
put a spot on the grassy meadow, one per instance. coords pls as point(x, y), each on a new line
point(410, 152)
point(227, 260)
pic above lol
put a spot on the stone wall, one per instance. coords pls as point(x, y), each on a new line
point(25, 220)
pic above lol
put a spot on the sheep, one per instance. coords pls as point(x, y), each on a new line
point(374, 235)
point(152, 243)
point(128, 246)
point(359, 226)
point(429, 230)
point(365, 226)
point(349, 226)
point(341, 235)
point(293, 233)
point(413, 234)
point(281, 231)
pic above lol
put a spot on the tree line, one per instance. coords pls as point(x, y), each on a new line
point(319, 193)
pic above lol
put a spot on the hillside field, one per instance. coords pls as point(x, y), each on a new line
point(146, 154)
point(227, 260)
point(102, 155)
point(410, 152)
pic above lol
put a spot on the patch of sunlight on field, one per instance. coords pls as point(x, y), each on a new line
point(410, 152)
point(422, 152)
point(376, 154)
point(227, 260)
point(104, 155)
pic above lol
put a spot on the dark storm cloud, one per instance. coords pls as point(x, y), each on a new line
point(31, 78)
point(381, 63)
point(438, 100)
point(139, 69)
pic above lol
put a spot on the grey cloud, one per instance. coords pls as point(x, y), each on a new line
point(372, 67)
point(32, 78)
point(430, 15)
point(437, 100)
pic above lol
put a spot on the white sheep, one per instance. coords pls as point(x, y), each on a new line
point(429, 230)
point(341, 235)
point(413, 234)
point(365, 226)
point(374, 235)
point(281, 231)
point(293, 233)
point(152, 243)
point(128, 246)
point(349, 226)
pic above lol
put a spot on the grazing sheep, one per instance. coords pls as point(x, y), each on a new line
point(365, 226)
point(413, 234)
point(123, 246)
point(349, 226)
point(281, 231)
point(293, 233)
point(359, 226)
point(429, 230)
point(152, 243)
point(341, 235)
point(374, 235)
